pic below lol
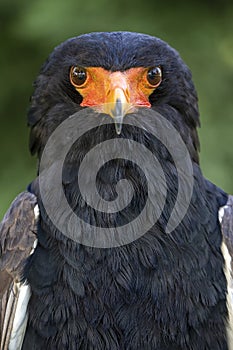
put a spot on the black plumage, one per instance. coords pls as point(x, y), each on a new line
point(162, 291)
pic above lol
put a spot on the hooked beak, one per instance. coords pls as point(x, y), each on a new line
point(117, 107)
point(117, 103)
point(117, 114)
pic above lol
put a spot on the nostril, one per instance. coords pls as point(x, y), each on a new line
point(127, 94)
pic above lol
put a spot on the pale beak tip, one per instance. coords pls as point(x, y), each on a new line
point(118, 124)
point(118, 129)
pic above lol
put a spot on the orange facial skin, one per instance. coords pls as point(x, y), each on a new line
point(103, 88)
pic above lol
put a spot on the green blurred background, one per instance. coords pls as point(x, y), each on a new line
point(202, 31)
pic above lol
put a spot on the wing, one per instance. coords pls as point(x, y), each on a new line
point(226, 220)
point(227, 226)
point(17, 241)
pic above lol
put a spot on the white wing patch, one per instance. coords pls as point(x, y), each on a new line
point(227, 258)
point(221, 213)
point(23, 292)
point(36, 211)
point(229, 276)
point(21, 316)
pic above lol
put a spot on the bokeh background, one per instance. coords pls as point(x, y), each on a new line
point(202, 31)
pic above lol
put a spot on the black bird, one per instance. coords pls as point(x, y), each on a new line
point(163, 289)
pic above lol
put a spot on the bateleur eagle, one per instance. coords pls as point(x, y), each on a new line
point(161, 289)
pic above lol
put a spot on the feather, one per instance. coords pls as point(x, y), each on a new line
point(226, 220)
point(17, 241)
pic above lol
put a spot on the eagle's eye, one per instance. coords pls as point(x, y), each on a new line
point(154, 76)
point(78, 76)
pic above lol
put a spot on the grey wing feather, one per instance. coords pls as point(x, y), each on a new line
point(226, 219)
point(17, 239)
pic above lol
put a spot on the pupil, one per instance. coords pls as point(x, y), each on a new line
point(153, 73)
point(79, 75)
point(154, 76)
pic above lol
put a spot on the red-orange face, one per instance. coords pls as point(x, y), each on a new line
point(115, 93)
